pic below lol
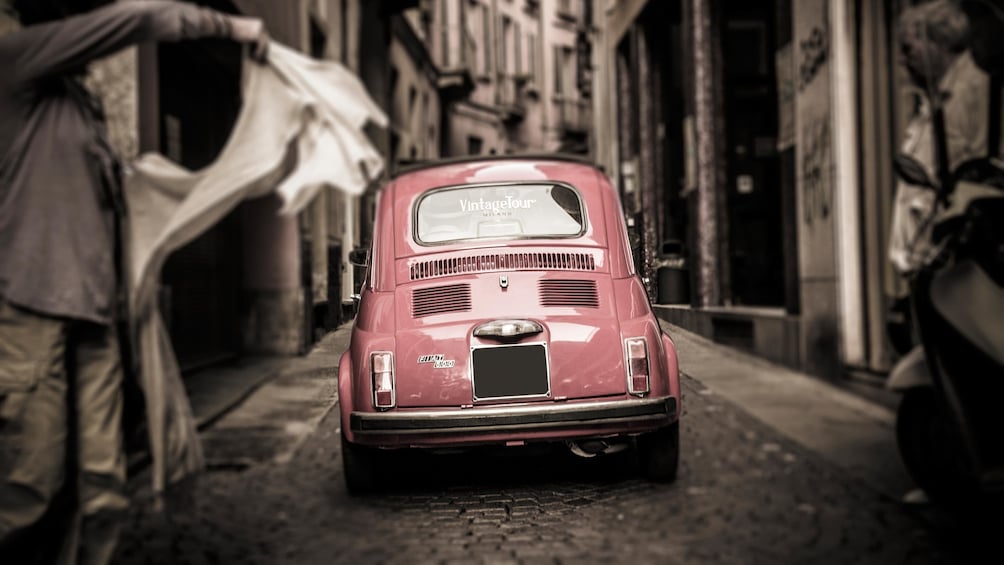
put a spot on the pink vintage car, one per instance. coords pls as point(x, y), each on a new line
point(501, 307)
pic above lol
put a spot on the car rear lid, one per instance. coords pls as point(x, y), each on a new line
point(577, 353)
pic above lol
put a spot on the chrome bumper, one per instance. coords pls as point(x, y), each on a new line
point(510, 418)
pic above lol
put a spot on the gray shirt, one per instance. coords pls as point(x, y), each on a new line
point(58, 185)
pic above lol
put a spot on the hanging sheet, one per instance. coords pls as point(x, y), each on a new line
point(300, 129)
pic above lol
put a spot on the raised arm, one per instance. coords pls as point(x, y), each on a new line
point(55, 47)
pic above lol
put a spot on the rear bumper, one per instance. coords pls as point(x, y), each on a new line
point(649, 412)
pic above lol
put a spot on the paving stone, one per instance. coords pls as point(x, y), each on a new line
point(735, 501)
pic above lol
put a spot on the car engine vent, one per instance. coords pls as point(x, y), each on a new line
point(440, 300)
point(503, 262)
point(575, 293)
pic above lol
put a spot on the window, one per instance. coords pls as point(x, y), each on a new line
point(425, 118)
point(394, 74)
point(444, 25)
point(504, 63)
point(318, 39)
point(474, 145)
point(517, 45)
point(564, 71)
point(486, 29)
point(568, 70)
point(346, 27)
point(531, 48)
point(558, 86)
point(507, 211)
point(426, 17)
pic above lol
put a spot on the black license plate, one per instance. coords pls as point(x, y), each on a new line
point(510, 371)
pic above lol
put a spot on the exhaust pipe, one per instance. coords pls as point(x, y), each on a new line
point(592, 447)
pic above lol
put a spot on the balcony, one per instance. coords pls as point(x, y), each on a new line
point(459, 50)
point(458, 61)
point(575, 13)
point(571, 11)
point(574, 115)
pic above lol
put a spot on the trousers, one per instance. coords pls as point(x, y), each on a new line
point(61, 408)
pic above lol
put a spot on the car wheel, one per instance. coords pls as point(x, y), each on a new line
point(359, 465)
point(659, 453)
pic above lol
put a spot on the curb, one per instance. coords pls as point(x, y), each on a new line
point(855, 433)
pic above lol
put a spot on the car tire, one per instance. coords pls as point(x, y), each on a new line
point(659, 453)
point(359, 465)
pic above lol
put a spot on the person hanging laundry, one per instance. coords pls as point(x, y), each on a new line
point(61, 284)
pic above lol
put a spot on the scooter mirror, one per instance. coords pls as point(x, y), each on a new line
point(982, 170)
point(910, 170)
point(357, 257)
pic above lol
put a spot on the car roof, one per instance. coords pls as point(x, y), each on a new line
point(395, 213)
point(410, 183)
point(476, 159)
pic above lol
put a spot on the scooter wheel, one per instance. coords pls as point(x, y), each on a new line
point(930, 447)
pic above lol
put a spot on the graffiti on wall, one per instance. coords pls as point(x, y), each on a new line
point(815, 146)
point(817, 202)
point(814, 51)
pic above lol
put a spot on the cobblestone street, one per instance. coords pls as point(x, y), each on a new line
point(745, 495)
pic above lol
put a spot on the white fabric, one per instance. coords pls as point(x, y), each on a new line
point(300, 129)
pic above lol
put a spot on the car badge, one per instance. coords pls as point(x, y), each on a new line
point(503, 281)
point(438, 361)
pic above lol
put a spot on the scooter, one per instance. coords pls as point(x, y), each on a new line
point(950, 420)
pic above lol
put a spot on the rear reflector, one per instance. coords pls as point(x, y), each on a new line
point(382, 372)
point(639, 384)
point(636, 359)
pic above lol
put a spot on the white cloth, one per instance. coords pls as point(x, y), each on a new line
point(300, 129)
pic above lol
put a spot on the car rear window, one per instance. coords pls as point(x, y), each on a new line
point(499, 211)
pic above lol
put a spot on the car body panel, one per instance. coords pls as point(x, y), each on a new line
point(422, 301)
point(574, 333)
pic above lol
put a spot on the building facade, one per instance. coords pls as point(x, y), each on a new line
point(455, 77)
point(415, 108)
point(752, 142)
point(569, 33)
point(510, 76)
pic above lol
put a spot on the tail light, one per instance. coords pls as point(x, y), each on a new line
point(636, 353)
point(382, 371)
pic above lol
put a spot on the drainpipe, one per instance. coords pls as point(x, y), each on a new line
point(845, 158)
